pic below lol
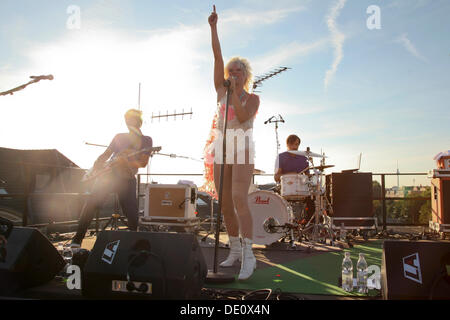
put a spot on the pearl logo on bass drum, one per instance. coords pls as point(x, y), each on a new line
point(411, 268)
point(259, 200)
point(110, 252)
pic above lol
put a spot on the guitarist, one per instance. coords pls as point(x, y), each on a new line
point(121, 178)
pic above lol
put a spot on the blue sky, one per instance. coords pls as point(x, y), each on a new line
point(387, 95)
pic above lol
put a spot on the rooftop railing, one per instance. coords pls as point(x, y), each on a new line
point(385, 216)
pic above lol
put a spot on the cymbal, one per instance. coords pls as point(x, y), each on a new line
point(307, 154)
point(321, 168)
point(257, 171)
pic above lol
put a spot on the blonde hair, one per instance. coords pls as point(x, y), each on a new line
point(134, 113)
point(245, 65)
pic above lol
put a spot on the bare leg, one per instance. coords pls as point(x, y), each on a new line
point(231, 221)
point(241, 179)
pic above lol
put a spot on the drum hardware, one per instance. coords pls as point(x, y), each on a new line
point(323, 167)
point(315, 226)
point(272, 216)
point(270, 225)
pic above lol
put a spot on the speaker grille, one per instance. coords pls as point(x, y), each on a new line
point(351, 194)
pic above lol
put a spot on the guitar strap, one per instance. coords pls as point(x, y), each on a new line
point(135, 133)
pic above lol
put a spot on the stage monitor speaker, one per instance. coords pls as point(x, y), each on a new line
point(31, 260)
point(148, 265)
point(415, 270)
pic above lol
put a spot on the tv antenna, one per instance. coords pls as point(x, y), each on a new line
point(174, 115)
point(260, 79)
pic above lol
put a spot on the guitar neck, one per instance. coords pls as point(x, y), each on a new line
point(153, 149)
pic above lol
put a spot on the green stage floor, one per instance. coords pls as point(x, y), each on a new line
point(316, 273)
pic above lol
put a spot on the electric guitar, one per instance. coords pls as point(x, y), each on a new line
point(127, 155)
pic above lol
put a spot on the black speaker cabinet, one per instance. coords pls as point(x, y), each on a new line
point(351, 195)
point(31, 260)
point(415, 270)
point(146, 265)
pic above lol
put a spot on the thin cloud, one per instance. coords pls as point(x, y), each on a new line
point(409, 46)
point(286, 53)
point(290, 109)
point(337, 40)
point(258, 18)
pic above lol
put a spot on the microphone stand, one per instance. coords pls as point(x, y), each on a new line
point(276, 120)
point(214, 276)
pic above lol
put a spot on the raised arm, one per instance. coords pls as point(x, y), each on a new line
point(218, 59)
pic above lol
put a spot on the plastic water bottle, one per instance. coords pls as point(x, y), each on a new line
point(361, 274)
point(347, 273)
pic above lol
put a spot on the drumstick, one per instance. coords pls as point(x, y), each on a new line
point(307, 168)
point(214, 8)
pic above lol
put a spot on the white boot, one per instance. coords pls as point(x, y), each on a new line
point(235, 252)
point(248, 264)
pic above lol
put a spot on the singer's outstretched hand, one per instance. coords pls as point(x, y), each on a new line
point(213, 17)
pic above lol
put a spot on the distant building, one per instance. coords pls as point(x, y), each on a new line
point(404, 191)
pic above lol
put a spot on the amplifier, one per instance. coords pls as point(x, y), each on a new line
point(170, 201)
point(351, 197)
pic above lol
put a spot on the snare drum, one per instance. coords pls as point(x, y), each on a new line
point(268, 210)
point(294, 186)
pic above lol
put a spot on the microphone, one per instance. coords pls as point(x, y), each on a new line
point(227, 83)
point(49, 77)
point(281, 118)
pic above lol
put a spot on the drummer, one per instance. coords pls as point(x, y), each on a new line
point(287, 162)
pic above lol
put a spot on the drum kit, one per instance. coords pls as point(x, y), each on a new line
point(297, 209)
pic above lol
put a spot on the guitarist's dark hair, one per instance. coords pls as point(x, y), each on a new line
point(134, 113)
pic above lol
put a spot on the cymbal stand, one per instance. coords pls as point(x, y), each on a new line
point(320, 207)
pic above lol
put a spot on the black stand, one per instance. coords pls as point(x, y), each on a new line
point(276, 121)
point(115, 217)
point(214, 276)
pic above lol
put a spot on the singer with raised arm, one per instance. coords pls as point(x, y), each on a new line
point(236, 76)
point(126, 153)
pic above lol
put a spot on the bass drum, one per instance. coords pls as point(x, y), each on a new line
point(268, 210)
